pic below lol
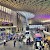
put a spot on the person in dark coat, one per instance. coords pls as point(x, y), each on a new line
point(14, 41)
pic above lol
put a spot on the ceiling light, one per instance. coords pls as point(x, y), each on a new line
point(46, 21)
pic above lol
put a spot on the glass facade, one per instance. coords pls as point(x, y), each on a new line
point(5, 9)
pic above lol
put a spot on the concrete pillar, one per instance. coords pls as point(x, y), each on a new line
point(14, 18)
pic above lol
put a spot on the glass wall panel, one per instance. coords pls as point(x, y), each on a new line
point(4, 9)
point(0, 7)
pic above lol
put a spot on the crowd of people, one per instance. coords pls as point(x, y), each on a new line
point(15, 38)
point(44, 42)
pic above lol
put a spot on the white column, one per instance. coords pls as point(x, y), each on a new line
point(14, 18)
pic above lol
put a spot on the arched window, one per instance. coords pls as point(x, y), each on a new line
point(4, 9)
point(0, 7)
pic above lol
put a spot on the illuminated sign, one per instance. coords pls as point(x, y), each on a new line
point(6, 24)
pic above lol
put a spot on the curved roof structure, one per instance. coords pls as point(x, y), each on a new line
point(39, 8)
point(34, 6)
point(27, 15)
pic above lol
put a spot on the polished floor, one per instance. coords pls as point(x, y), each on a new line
point(10, 46)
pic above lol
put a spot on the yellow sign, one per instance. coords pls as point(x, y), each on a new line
point(48, 37)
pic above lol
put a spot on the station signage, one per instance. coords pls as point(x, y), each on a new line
point(36, 26)
point(6, 24)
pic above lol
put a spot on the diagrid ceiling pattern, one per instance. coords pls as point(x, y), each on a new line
point(35, 6)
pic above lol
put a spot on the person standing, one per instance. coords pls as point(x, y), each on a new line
point(4, 42)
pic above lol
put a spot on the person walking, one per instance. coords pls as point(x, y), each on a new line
point(4, 40)
point(14, 41)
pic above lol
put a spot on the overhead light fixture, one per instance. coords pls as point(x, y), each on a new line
point(46, 21)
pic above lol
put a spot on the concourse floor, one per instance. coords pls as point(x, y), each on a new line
point(10, 46)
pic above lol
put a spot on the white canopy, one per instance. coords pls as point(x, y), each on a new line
point(26, 14)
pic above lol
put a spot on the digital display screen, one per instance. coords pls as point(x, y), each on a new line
point(6, 24)
point(27, 33)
